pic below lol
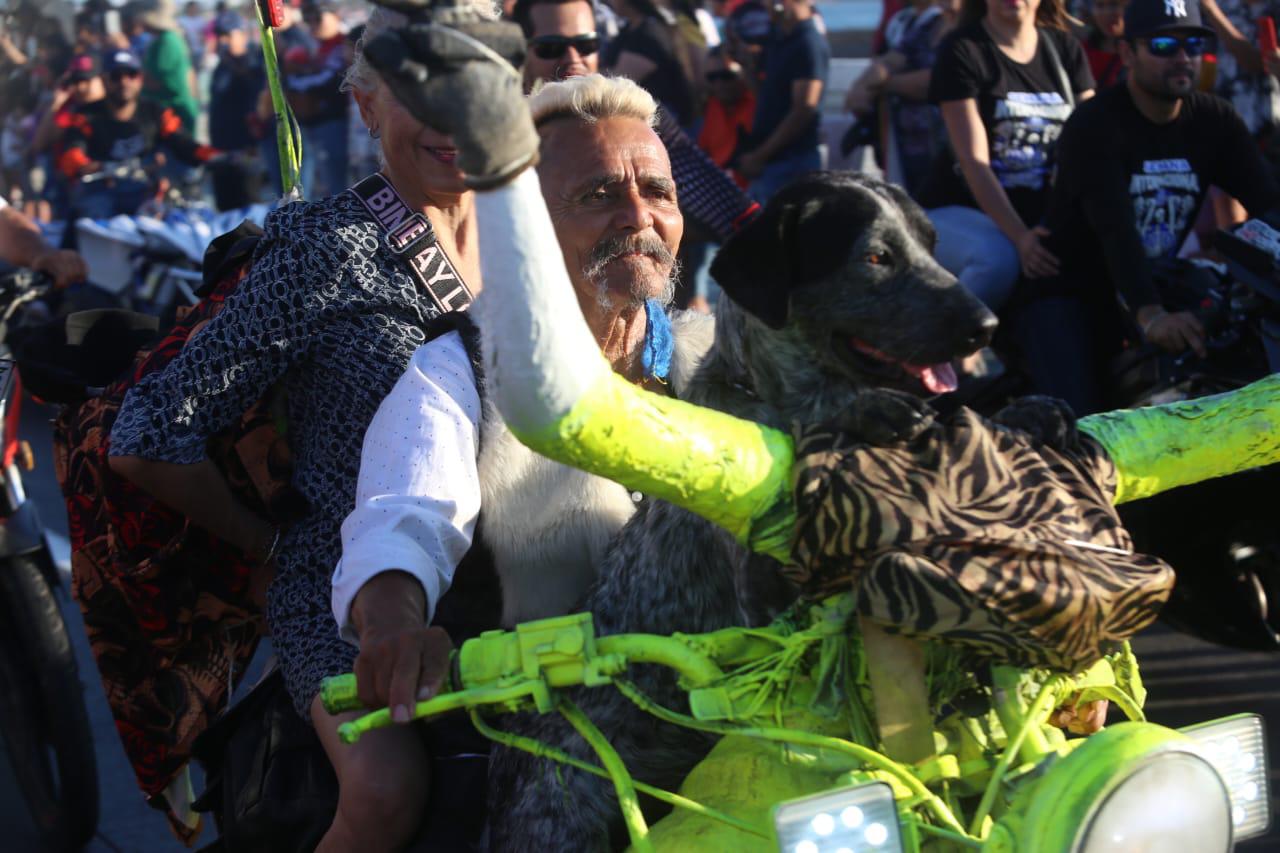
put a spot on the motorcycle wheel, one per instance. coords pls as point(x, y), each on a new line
point(42, 713)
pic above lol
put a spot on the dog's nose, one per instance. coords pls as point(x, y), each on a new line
point(982, 333)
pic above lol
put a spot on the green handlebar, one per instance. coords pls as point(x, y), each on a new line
point(338, 694)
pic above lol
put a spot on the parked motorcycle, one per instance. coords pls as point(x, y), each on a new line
point(42, 711)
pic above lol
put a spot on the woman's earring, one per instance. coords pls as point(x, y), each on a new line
point(373, 133)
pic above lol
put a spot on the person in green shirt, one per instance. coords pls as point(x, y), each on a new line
point(168, 77)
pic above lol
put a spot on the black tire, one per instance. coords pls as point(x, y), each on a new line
point(42, 713)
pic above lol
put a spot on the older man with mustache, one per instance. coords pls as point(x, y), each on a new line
point(436, 458)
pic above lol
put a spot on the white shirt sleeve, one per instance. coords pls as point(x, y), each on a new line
point(418, 493)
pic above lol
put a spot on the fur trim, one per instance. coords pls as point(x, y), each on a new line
point(548, 525)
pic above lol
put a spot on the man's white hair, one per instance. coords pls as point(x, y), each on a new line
point(361, 75)
point(592, 98)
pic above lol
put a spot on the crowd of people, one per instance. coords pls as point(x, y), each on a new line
point(1057, 162)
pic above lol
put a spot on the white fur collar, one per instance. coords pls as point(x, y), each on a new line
point(547, 525)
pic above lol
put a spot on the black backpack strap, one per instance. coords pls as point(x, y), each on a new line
point(410, 237)
point(227, 253)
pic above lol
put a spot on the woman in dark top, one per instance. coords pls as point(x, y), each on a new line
point(647, 51)
point(331, 316)
point(1006, 79)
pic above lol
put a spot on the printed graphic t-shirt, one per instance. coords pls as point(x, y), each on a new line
point(1022, 107)
point(1128, 190)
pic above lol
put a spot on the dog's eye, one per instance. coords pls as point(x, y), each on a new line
point(877, 259)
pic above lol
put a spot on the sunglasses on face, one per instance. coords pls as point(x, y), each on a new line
point(124, 75)
point(721, 76)
point(554, 47)
point(1166, 46)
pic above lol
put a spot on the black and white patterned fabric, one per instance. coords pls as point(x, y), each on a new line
point(330, 313)
point(707, 194)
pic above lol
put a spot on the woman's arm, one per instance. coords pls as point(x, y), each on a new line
point(160, 435)
point(969, 141)
point(910, 85)
point(201, 493)
point(418, 492)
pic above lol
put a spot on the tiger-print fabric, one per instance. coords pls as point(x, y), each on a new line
point(966, 533)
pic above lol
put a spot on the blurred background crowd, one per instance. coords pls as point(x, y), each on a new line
point(111, 107)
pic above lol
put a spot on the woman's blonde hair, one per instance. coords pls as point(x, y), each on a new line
point(591, 98)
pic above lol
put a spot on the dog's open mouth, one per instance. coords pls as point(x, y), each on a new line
point(936, 378)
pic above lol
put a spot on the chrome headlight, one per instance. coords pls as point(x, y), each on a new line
point(1174, 801)
point(1237, 747)
point(862, 819)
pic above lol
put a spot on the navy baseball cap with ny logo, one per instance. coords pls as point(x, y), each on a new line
point(1148, 17)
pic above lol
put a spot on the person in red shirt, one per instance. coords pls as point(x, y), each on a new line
point(1101, 41)
point(729, 110)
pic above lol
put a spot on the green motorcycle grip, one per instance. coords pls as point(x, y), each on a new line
point(338, 694)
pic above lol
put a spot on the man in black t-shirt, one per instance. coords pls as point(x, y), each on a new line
point(1136, 162)
point(784, 141)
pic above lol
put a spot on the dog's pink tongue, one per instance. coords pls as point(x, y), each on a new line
point(938, 378)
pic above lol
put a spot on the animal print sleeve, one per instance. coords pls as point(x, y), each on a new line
point(267, 325)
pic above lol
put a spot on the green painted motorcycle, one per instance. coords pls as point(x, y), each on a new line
point(927, 751)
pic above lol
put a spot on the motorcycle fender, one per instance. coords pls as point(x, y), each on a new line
point(22, 533)
point(742, 777)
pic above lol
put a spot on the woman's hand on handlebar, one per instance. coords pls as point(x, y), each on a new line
point(402, 660)
point(1037, 261)
point(63, 266)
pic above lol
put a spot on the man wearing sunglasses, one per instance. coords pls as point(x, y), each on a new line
point(1134, 165)
point(122, 126)
point(563, 42)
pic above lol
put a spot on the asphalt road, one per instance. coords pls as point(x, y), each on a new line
point(1188, 681)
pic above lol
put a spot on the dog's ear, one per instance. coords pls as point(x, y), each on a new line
point(752, 266)
point(802, 236)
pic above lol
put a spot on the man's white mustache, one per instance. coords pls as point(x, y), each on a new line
point(612, 248)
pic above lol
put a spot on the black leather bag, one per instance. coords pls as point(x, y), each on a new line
point(268, 782)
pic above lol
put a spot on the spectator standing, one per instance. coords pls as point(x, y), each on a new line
point(648, 50)
point(314, 92)
point(900, 75)
point(136, 36)
point(730, 111)
point(1006, 79)
point(168, 78)
point(78, 88)
point(194, 24)
point(726, 123)
point(784, 142)
point(1101, 40)
point(234, 128)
